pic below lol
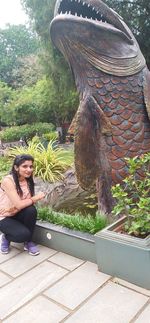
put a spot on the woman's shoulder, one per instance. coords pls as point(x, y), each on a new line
point(7, 179)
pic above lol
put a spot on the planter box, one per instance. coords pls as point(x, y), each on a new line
point(74, 243)
point(123, 256)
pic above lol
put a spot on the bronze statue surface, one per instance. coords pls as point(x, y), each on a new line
point(114, 87)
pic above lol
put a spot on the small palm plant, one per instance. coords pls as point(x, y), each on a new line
point(133, 196)
point(49, 163)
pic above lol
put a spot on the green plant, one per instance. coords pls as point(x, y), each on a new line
point(133, 196)
point(5, 166)
point(53, 135)
point(49, 163)
point(45, 139)
point(25, 131)
point(76, 222)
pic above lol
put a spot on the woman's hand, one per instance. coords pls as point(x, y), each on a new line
point(3, 211)
point(38, 197)
point(8, 211)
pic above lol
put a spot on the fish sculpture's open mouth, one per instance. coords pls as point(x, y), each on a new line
point(90, 11)
point(80, 9)
point(98, 33)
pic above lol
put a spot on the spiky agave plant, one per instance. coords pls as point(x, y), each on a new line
point(49, 163)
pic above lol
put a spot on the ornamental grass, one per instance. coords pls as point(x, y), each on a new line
point(50, 163)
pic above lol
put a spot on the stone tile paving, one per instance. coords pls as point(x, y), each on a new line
point(55, 287)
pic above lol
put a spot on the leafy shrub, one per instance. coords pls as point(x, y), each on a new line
point(45, 139)
point(133, 198)
point(25, 131)
point(49, 163)
point(75, 222)
point(50, 136)
point(5, 166)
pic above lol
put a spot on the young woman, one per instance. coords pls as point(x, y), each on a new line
point(17, 211)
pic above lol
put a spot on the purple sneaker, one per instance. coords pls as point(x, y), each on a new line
point(31, 248)
point(4, 244)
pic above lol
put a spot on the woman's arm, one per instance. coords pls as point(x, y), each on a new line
point(10, 190)
point(9, 187)
point(38, 197)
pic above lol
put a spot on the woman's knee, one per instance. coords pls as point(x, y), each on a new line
point(23, 235)
point(31, 211)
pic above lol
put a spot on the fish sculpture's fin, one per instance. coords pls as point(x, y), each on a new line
point(90, 126)
point(146, 87)
point(72, 126)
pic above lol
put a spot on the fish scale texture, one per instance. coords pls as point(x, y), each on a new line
point(122, 101)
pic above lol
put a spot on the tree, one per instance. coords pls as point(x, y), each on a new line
point(21, 109)
point(6, 95)
point(28, 72)
point(137, 16)
point(38, 103)
point(16, 42)
point(64, 99)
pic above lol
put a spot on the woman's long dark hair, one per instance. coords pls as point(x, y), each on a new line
point(19, 160)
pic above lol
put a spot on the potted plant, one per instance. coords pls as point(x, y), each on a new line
point(123, 248)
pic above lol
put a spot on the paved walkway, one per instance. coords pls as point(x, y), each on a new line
point(55, 287)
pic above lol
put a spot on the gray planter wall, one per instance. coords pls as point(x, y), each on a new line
point(75, 243)
point(116, 254)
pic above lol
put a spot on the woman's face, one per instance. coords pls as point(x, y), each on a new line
point(25, 170)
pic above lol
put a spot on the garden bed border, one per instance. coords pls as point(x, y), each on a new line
point(72, 242)
point(116, 254)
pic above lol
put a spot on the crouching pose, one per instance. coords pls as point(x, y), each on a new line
point(17, 210)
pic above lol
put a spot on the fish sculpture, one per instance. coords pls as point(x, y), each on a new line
point(113, 82)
